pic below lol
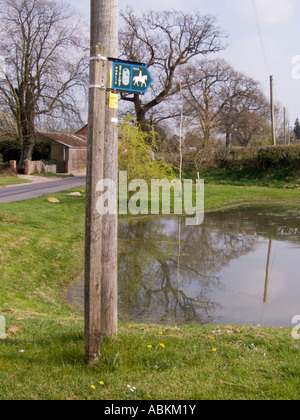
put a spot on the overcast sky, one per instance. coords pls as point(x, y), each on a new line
point(279, 23)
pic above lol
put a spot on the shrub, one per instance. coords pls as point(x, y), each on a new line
point(136, 156)
point(10, 150)
point(279, 156)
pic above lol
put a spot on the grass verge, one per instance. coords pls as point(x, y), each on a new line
point(12, 180)
point(42, 357)
point(220, 196)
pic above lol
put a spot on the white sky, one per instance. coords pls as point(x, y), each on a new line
point(279, 21)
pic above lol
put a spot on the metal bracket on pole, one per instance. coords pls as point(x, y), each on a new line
point(99, 58)
point(101, 87)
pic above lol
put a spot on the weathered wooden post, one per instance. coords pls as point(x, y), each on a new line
point(102, 159)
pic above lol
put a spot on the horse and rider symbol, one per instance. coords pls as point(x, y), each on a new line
point(140, 79)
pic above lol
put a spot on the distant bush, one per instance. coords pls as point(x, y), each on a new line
point(234, 157)
point(10, 150)
point(4, 169)
point(283, 156)
point(262, 158)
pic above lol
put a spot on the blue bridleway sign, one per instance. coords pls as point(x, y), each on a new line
point(131, 77)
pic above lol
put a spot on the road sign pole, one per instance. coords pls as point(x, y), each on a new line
point(101, 230)
point(94, 221)
point(109, 283)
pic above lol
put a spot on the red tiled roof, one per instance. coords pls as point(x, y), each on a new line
point(83, 132)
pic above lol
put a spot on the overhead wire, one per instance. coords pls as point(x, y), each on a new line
point(262, 44)
point(257, 20)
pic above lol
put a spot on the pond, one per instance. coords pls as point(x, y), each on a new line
point(239, 267)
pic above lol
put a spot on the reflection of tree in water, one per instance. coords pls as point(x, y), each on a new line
point(269, 221)
point(150, 287)
point(162, 280)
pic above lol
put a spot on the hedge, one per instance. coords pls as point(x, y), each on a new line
point(287, 157)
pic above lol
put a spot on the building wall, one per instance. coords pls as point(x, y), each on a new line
point(77, 160)
point(68, 159)
point(38, 167)
point(56, 151)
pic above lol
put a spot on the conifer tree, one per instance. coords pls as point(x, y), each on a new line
point(297, 128)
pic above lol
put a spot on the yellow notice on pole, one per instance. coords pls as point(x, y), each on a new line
point(113, 97)
point(113, 100)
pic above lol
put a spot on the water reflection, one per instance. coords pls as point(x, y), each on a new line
point(238, 267)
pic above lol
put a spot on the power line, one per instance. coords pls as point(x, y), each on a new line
point(260, 36)
point(267, 68)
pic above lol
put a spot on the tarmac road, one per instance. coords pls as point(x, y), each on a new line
point(36, 189)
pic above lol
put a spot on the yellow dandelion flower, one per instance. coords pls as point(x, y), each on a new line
point(93, 387)
point(149, 347)
point(160, 333)
point(214, 349)
point(162, 345)
point(101, 383)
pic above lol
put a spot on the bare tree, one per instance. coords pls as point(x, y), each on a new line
point(41, 41)
point(165, 41)
point(249, 125)
point(244, 110)
point(204, 82)
point(219, 99)
point(232, 92)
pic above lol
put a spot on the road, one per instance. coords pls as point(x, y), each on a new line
point(36, 189)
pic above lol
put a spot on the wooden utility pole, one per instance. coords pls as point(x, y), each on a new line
point(101, 231)
point(180, 130)
point(108, 36)
point(284, 123)
point(272, 111)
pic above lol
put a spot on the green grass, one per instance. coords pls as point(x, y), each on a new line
point(222, 196)
point(249, 363)
point(41, 250)
point(41, 253)
point(219, 196)
point(52, 175)
point(12, 180)
point(272, 178)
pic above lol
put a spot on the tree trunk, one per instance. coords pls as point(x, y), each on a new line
point(26, 124)
point(28, 139)
point(27, 150)
point(228, 139)
point(141, 115)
